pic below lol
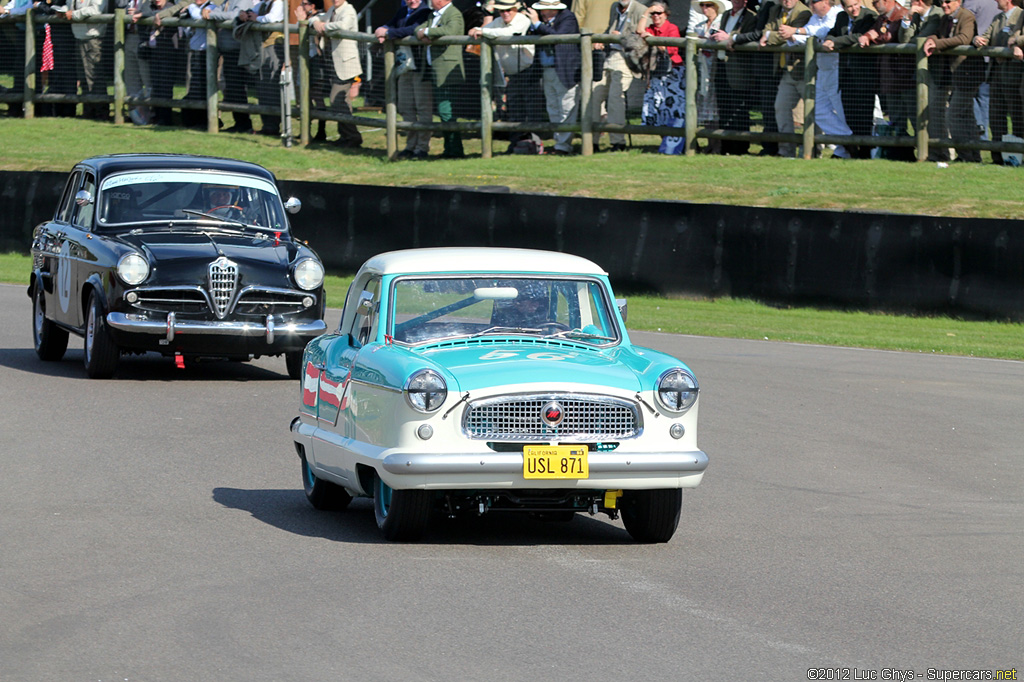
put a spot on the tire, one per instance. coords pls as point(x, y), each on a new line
point(402, 515)
point(322, 494)
point(652, 515)
point(293, 361)
point(50, 340)
point(101, 353)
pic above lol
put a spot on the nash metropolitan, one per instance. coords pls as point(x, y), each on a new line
point(465, 380)
point(187, 256)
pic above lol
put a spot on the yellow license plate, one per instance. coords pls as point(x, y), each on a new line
point(555, 461)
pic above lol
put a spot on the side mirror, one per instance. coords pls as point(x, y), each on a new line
point(293, 205)
point(83, 197)
point(623, 306)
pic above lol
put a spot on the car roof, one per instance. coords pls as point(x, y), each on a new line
point(478, 260)
point(118, 163)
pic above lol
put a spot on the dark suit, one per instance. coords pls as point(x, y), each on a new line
point(958, 77)
point(896, 78)
point(448, 71)
point(562, 102)
point(1004, 78)
point(734, 81)
point(858, 76)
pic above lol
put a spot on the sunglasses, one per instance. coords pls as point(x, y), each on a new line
point(949, 2)
point(656, 13)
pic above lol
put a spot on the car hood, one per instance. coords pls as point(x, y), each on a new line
point(167, 248)
point(478, 365)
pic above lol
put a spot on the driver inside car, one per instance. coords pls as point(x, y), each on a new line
point(529, 309)
point(220, 196)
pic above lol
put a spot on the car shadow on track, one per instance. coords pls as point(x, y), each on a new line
point(289, 511)
point(148, 367)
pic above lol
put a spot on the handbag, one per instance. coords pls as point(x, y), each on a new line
point(663, 66)
point(599, 58)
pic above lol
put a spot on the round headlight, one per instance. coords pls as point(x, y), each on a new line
point(425, 390)
point(308, 273)
point(677, 390)
point(133, 269)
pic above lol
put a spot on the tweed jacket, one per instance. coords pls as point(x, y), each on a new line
point(998, 34)
point(344, 53)
point(958, 29)
point(446, 60)
point(81, 9)
point(228, 12)
point(780, 16)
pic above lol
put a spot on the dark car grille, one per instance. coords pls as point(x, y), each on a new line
point(518, 418)
point(223, 280)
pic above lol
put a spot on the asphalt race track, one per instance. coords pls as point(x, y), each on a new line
point(862, 511)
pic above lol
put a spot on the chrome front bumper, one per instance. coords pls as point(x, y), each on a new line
point(601, 463)
point(169, 328)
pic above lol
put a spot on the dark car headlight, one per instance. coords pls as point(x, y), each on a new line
point(425, 390)
point(677, 390)
point(132, 268)
point(308, 274)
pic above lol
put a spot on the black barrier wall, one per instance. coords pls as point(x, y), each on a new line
point(852, 259)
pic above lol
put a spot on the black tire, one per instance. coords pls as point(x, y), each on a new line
point(652, 515)
point(50, 341)
point(402, 515)
point(101, 353)
point(293, 361)
point(322, 494)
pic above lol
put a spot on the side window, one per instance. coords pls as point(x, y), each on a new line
point(67, 201)
point(83, 216)
point(365, 320)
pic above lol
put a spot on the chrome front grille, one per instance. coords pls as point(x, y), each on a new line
point(585, 417)
point(266, 301)
point(223, 280)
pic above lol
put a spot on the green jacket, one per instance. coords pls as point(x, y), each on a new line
point(446, 60)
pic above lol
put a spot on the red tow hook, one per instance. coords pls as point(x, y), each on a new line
point(179, 361)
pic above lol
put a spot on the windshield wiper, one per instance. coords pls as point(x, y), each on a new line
point(215, 218)
point(514, 330)
point(578, 334)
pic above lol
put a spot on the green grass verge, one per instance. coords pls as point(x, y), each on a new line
point(743, 319)
point(971, 190)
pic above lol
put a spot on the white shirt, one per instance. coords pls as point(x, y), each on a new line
point(818, 27)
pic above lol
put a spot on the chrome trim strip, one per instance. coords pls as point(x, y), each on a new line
point(364, 382)
point(171, 326)
point(602, 463)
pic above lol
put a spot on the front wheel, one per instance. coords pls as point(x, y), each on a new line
point(402, 515)
point(101, 353)
point(293, 362)
point(50, 340)
point(652, 515)
point(323, 494)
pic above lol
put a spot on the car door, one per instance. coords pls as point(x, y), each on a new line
point(57, 261)
point(337, 417)
point(76, 248)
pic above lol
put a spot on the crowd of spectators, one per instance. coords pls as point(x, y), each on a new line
point(970, 97)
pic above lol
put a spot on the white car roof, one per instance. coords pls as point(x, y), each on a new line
point(478, 259)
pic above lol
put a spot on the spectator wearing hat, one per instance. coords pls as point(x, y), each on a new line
point(958, 76)
point(784, 20)
point(513, 72)
point(446, 67)
point(858, 74)
point(665, 97)
point(610, 91)
point(560, 66)
point(707, 104)
point(415, 89)
point(1004, 75)
point(734, 76)
point(344, 58)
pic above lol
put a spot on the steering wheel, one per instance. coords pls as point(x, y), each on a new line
point(229, 207)
point(551, 327)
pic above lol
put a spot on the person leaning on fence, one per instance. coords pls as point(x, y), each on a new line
point(784, 20)
point(707, 100)
point(319, 76)
point(343, 66)
point(560, 66)
point(957, 76)
point(665, 97)
point(262, 53)
point(616, 78)
point(1004, 75)
point(923, 21)
point(897, 93)
point(415, 91)
point(196, 118)
point(446, 67)
point(734, 76)
point(829, 116)
point(512, 62)
point(766, 75)
point(236, 76)
point(858, 73)
point(89, 45)
point(13, 39)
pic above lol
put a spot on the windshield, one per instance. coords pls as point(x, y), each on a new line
point(160, 196)
point(427, 310)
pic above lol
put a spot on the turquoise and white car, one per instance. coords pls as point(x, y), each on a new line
point(473, 380)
